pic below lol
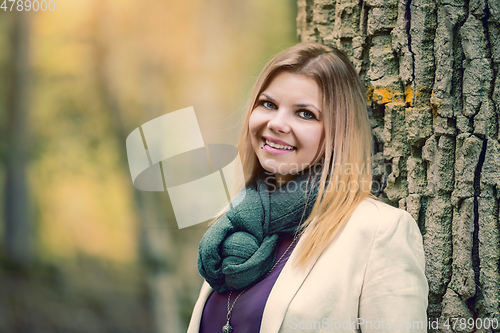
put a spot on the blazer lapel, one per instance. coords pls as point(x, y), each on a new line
point(284, 289)
point(205, 292)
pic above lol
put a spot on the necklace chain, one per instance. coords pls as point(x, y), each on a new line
point(228, 328)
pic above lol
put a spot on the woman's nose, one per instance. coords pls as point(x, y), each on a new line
point(279, 122)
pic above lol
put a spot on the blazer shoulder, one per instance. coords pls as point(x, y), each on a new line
point(378, 216)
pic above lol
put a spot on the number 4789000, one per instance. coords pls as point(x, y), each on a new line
point(28, 5)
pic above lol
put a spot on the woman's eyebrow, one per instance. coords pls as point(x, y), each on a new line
point(308, 105)
point(268, 97)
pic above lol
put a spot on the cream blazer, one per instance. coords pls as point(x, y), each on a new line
point(369, 279)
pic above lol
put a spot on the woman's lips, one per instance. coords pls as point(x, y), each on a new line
point(276, 141)
point(277, 147)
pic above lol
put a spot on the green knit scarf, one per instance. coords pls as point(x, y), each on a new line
point(239, 249)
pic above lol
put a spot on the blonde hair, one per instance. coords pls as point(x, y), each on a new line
point(346, 161)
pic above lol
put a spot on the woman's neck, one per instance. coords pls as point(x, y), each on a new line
point(283, 179)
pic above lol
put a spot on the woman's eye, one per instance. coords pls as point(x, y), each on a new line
point(306, 114)
point(267, 105)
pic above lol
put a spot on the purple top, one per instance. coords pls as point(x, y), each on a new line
point(248, 310)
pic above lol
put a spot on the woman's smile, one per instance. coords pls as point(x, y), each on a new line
point(277, 147)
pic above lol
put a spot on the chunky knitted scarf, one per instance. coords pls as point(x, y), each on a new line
point(239, 249)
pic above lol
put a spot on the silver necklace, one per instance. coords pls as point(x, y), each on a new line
point(228, 328)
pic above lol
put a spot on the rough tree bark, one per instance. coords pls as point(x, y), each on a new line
point(431, 68)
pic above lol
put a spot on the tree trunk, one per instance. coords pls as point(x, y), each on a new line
point(431, 69)
point(18, 223)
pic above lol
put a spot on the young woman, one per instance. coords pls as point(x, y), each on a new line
point(305, 248)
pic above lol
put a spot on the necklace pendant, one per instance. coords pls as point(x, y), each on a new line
point(227, 328)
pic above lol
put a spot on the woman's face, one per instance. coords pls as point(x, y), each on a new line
point(286, 126)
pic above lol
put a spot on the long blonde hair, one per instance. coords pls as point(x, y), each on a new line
point(346, 161)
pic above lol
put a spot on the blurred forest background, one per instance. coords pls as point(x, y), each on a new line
point(81, 250)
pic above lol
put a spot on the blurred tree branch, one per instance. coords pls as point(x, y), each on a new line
point(18, 223)
point(159, 271)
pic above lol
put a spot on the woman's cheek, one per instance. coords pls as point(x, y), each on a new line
point(255, 122)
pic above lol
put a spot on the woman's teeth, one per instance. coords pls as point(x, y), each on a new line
point(277, 146)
